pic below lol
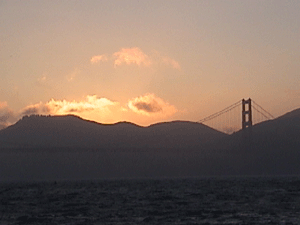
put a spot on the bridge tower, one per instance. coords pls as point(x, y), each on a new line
point(246, 113)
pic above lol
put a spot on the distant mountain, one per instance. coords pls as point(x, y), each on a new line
point(68, 147)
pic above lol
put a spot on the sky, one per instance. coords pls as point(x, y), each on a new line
point(147, 61)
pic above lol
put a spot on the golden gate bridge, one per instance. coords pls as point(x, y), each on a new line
point(228, 121)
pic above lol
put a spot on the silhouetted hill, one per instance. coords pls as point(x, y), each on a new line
point(271, 147)
point(68, 147)
point(272, 135)
point(295, 114)
point(72, 131)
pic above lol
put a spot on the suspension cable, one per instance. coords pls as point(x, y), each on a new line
point(260, 112)
point(227, 109)
point(263, 110)
point(216, 116)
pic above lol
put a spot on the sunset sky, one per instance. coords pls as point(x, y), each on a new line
point(147, 61)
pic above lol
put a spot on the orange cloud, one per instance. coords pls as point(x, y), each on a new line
point(149, 105)
point(136, 56)
point(171, 62)
point(34, 109)
point(98, 58)
point(131, 56)
point(60, 107)
point(6, 115)
point(93, 108)
point(142, 110)
point(91, 103)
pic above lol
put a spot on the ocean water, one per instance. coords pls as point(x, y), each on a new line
point(253, 200)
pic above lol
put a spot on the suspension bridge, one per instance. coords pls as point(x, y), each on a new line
point(240, 115)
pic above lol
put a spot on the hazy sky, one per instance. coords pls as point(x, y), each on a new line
point(147, 61)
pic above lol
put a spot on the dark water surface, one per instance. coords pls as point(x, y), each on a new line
point(169, 201)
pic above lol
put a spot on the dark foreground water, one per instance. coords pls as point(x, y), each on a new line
point(185, 201)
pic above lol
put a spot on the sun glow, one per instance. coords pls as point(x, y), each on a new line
point(142, 110)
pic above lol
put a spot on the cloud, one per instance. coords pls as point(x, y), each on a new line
point(6, 115)
point(143, 110)
point(91, 103)
point(131, 56)
point(171, 62)
point(30, 110)
point(98, 58)
point(38, 108)
point(60, 107)
point(149, 105)
point(135, 56)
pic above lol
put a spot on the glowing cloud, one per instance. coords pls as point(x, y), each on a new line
point(98, 58)
point(149, 105)
point(6, 115)
point(142, 110)
point(91, 103)
point(93, 108)
point(60, 107)
point(131, 56)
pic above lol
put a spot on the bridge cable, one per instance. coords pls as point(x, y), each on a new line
point(227, 109)
point(261, 113)
point(270, 115)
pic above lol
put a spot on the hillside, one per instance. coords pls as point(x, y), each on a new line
point(268, 148)
point(72, 131)
point(68, 147)
point(272, 135)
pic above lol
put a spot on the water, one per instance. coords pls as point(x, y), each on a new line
point(168, 201)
